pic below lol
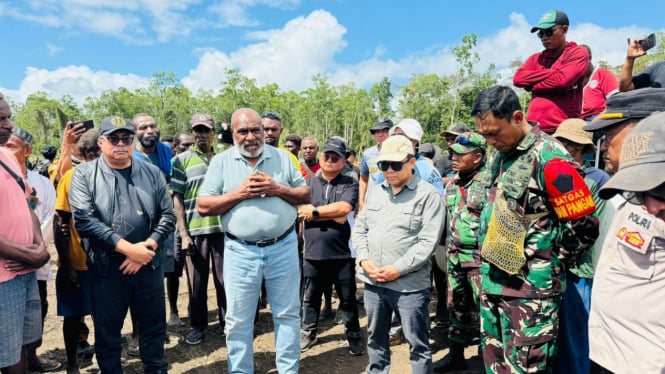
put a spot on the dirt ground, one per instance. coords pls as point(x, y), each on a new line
point(329, 355)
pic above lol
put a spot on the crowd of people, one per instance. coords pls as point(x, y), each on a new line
point(535, 253)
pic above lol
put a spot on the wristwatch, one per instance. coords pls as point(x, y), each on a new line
point(315, 213)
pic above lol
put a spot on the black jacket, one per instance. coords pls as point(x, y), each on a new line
point(93, 201)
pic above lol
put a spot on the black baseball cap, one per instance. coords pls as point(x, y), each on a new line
point(624, 106)
point(382, 124)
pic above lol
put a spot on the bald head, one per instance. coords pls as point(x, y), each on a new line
point(244, 115)
point(248, 135)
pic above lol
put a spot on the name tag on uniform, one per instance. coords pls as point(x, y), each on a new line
point(634, 229)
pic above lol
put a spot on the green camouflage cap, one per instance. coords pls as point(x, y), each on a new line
point(468, 142)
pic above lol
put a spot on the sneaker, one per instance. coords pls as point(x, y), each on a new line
point(356, 346)
point(174, 320)
point(194, 337)
point(307, 341)
point(133, 347)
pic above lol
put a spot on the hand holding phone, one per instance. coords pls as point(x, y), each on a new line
point(648, 42)
point(87, 124)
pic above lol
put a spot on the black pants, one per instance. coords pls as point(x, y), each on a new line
point(320, 275)
point(112, 295)
point(198, 270)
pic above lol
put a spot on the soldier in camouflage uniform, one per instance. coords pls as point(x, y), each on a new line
point(537, 218)
point(464, 201)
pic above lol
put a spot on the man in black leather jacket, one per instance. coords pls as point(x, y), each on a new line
point(123, 213)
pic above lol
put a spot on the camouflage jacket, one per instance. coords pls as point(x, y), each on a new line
point(522, 184)
point(465, 204)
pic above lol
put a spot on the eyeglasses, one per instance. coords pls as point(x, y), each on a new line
point(271, 115)
point(547, 32)
point(332, 158)
point(115, 140)
point(395, 165)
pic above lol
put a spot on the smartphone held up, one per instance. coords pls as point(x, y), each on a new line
point(648, 42)
point(87, 124)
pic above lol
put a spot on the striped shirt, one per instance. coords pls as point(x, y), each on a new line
point(187, 175)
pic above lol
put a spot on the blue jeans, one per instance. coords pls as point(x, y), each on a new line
point(412, 311)
point(245, 266)
point(573, 356)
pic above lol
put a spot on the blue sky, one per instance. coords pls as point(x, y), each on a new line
point(83, 47)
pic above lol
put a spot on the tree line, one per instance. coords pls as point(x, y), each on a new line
point(321, 111)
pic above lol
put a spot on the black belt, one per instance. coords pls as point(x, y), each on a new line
point(260, 243)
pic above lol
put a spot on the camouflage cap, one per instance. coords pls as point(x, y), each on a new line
point(469, 142)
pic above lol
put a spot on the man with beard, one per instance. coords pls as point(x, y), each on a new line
point(201, 238)
point(255, 188)
point(22, 250)
point(149, 148)
point(272, 125)
point(310, 152)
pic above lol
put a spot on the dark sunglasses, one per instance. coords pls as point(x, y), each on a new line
point(332, 158)
point(395, 165)
point(547, 32)
point(115, 140)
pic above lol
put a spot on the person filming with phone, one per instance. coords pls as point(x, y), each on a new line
point(652, 76)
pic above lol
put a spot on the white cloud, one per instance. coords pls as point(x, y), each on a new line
point(79, 82)
point(290, 56)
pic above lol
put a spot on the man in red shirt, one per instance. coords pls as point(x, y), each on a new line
point(555, 76)
point(600, 84)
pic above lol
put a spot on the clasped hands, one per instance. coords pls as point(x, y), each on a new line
point(383, 274)
point(258, 184)
point(138, 255)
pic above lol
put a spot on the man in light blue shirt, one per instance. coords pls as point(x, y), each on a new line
point(255, 188)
